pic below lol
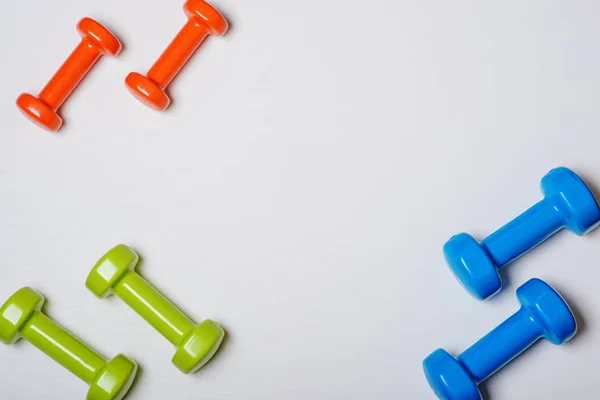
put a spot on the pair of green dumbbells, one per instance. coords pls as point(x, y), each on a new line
point(21, 317)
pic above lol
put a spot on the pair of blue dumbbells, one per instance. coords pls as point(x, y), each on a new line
point(569, 203)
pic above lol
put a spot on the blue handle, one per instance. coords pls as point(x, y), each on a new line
point(501, 345)
point(524, 232)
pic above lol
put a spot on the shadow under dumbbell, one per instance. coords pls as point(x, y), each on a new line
point(595, 188)
point(485, 394)
point(136, 382)
point(230, 22)
point(579, 318)
point(507, 283)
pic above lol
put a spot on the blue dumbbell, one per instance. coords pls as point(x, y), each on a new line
point(543, 313)
point(568, 202)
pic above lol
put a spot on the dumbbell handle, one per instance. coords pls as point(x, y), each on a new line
point(524, 232)
point(501, 345)
point(177, 53)
point(70, 74)
point(63, 347)
point(153, 307)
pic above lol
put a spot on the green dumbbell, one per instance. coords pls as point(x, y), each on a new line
point(196, 344)
point(21, 317)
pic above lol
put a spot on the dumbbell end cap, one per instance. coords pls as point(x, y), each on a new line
point(472, 266)
point(448, 379)
point(575, 201)
point(16, 311)
point(38, 112)
point(198, 347)
point(100, 36)
point(147, 91)
point(110, 268)
point(549, 309)
point(114, 379)
point(207, 15)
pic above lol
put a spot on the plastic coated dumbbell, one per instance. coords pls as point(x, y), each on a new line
point(97, 40)
point(568, 202)
point(21, 317)
point(196, 344)
point(203, 19)
point(543, 313)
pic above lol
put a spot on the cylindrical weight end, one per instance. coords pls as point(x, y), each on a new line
point(199, 347)
point(114, 379)
point(147, 91)
point(110, 269)
point(38, 112)
point(472, 266)
point(448, 379)
point(207, 15)
point(549, 310)
point(16, 311)
point(102, 38)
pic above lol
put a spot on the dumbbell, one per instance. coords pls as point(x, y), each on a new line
point(568, 202)
point(196, 344)
point(21, 317)
point(97, 40)
point(543, 313)
point(203, 19)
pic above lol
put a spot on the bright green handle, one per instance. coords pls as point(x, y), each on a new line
point(63, 347)
point(153, 307)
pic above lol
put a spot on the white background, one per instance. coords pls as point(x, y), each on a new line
point(300, 188)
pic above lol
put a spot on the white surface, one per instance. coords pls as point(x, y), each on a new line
point(300, 188)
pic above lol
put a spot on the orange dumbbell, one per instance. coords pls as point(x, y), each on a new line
point(97, 40)
point(203, 19)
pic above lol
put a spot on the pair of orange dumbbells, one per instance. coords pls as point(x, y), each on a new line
point(203, 20)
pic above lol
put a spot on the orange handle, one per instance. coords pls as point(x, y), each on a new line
point(177, 53)
point(70, 74)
